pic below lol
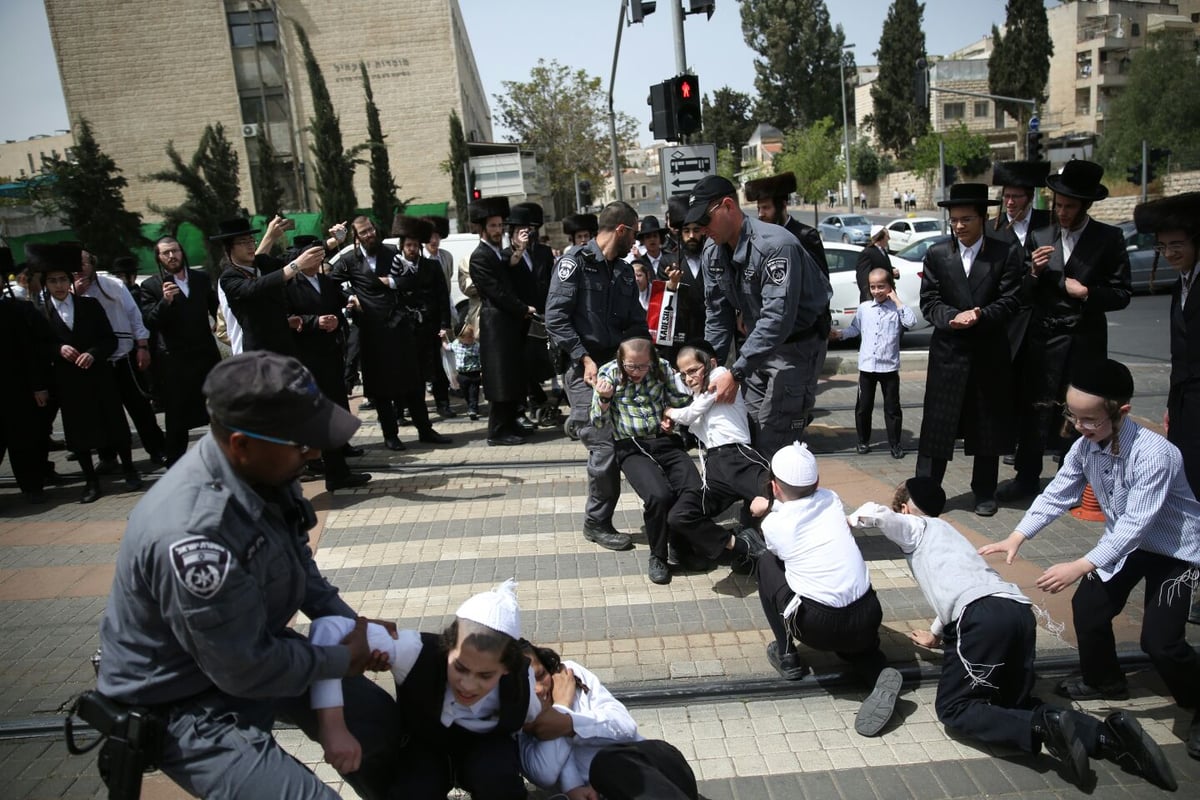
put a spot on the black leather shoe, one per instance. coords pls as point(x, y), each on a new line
point(133, 481)
point(158, 459)
point(1126, 743)
point(986, 508)
point(659, 572)
point(507, 440)
point(1056, 729)
point(393, 443)
point(1010, 460)
point(897, 451)
point(366, 405)
point(863, 449)
point(347, 482)
point(445, 412)
point(91, 493)
point(430, 436)
point(606, 536)
point(788, 666)
point(1193, 737)
point(755, 546)
point(1075, 688)
point(1015, 489)
point(350, 451)
point(107, 466)
point(403, 421)
point(526, 424)
point(473, 416)
point(685, 559)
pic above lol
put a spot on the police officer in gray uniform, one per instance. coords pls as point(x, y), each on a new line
point(593, 303)
point(213, 564)
point(759, 272)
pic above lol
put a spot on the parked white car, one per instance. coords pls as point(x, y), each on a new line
point(843, 306)
point(904, 232)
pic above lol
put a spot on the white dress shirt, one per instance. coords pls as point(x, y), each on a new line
point(181, 280)
point(713, 423)
point(66, 310)
point(1020, 227)
point(821, 560)
point(1070, 237)
point(694, 266)
point(880, 325)
point(969, 254)
point(232, 328)
point(124, 316)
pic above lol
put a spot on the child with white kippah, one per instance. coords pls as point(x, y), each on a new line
point(462, 696)
point(814, 585)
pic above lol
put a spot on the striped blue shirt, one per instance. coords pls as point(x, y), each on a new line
point(880, 325)
point(1145, 496)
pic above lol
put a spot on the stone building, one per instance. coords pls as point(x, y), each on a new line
point(145, 73)
point(23, 159)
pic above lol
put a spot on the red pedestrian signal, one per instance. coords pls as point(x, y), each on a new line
point(685, 89)
point(687, 104)
point(476, 194)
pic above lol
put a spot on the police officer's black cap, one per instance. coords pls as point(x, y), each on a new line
point(233, 228)
point(1020, 174)
point(55, 257)
point(1178, 213)
point(677, 206)
point(705, 193)
point(526, 214)
point(771, 187)
point(441, 225)
point(481, 211)
point(1107, 378)
point(124, 265)
point(412, 228)
point(968, 194)
point(265, 394)
point(581, 222)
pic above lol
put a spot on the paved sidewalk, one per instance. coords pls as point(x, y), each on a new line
point(437, 524)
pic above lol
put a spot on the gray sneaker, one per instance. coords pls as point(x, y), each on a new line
point(876, 710)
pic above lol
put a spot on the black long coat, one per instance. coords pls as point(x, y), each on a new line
point(258, 304)
point(1183, 399)
point(968, 390)
point(538, 366)
point(185, 349)
point(92, 414)
point(323, 352)
point(998, 227)
point(870, 258)
point(426, 294)
point(390, 367)
point(507, 293)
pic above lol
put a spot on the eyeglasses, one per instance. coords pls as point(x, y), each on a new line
point(692, 372)
point(635, 367)
point(1170, 248)
point(1084, 424)
point(302, 448)
point(962, 220)
point(704, 221)
point(245, 241)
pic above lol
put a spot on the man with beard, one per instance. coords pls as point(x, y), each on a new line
point(507, 290)
point(1078, 271)
point(538, 260)
point(592, 306)
point(760, 272)
point(178, 306)
point(389, 369)
point(686, 275)
point(420, 289)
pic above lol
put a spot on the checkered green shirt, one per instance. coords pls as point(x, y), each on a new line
point(636, 409)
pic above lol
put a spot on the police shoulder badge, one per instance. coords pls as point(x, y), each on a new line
point(566, 268)
point(777, 269)
point(200, 565)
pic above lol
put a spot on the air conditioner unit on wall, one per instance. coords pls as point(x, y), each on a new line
point(250, 130)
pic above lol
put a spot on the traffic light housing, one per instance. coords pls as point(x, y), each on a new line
point(949, 175)
point(638, 9)
point(685, 94)
point(921, 84)
point(701, 7)
point(585, 193)
point(662, 112)
point(1134, 174)
point(1033, 146)
point(1156, 155)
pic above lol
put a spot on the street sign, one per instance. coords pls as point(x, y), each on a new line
point(683, 166)
point(1034, 122)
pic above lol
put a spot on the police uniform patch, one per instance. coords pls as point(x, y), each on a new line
point(777, 270)
point(566, 267)
point(200, 565)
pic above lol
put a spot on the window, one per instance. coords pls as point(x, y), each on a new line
point(243, 26)
point(840, 260)
point(1136, 29)
point(954, 110)
point(899, 227)
point(643, 191)
point(981, 108)
point(633, 193)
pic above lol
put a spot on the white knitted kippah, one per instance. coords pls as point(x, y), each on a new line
point(795, 465)
point(497, 609)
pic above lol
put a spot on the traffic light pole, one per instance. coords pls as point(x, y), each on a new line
point(1145, 168)
point(677, 26)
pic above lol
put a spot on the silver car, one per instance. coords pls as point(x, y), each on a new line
point(847, 228)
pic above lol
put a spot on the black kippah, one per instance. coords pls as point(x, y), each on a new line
point(928, 495)
point(1109, 379)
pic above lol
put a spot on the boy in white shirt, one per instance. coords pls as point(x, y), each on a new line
point(814, 586)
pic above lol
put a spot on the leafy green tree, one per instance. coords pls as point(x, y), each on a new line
point(334, 166)
point(897, 119)
point(210, 184)
point(1159, 104)
point(797, 72)
point(814, 155)
point(269, 186)
point(561, 114)
point(453, 165)
point(1020, 62)
point(967, 151)
point(384, 203)
point(728, 163)
point(87, 194)
point(865, 164)
point(728, 121)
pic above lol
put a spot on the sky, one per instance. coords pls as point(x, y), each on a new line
point(507, 45)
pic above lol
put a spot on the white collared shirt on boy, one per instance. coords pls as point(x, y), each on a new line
point(880, 326)
point(714, 424)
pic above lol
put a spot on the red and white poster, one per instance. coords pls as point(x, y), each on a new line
point(660, 315)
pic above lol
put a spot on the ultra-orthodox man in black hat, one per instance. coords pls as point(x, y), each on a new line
point(1078, 271)
point(969, 289)
point(1175, 223)
point(1018, 182)
point(539, 259)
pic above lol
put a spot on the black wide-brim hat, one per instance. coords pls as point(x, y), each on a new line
point(530, 214)
point(648, 226)
point(581, 222)
point(1020, 174)
point(677, 206)
point(1079, 179)
point(441, 225)
point(771, 187)
point(968, 194)
point(480, 211)
point(233, 228)
point(412, 228)
point(55, 257)
point(124, 265)
point(1178, 213)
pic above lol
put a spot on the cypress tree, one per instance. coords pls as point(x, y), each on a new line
point(897, 119)
point(384, 203)
point(333, 166)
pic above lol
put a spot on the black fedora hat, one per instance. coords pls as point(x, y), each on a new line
point(525, 214)
point(480, 211)
point(1079, 179)
point(124, 265)
point(1020, 174)
point(968, 194)
point(233, 228)
point(54, 257)
point(1178, 213)
point(441, 225)
point(769, 188)
point(648, 226)
point(581, 222)
point(677, 206)
point(412, 228)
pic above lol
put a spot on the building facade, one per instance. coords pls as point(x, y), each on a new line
point(22, 159)
point(164, 72)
